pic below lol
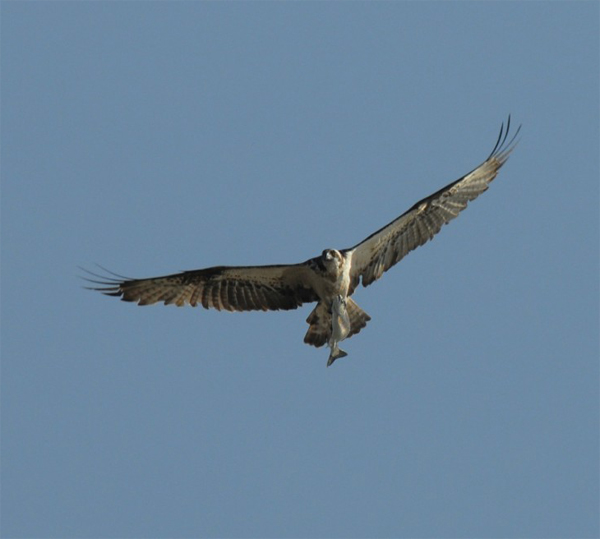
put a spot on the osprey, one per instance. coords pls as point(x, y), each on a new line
point(329, 279)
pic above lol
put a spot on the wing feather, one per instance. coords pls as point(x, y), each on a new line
point(386, 247)
point(230, 288)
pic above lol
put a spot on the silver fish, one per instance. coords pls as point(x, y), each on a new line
point(340, 327)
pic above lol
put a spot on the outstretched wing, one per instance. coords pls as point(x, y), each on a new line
point(386, 247)
point(250, 288)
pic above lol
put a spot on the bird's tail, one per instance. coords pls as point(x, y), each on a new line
point(319, 321)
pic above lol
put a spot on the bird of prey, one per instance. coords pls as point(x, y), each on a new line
point(328, 279)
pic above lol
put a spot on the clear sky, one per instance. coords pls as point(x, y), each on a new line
point(153, 137)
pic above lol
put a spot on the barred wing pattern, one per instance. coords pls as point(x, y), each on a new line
point(386, 247)
point(244, 288)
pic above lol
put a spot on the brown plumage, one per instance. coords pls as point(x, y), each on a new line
point(222, 288)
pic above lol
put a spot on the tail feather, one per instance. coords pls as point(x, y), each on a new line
point(319, 326)
point(358, 317)
point(319, 321)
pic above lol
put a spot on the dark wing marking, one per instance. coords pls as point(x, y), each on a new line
point(386, 247)
point(244, 288)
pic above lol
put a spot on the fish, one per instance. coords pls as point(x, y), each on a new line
point(340, 327)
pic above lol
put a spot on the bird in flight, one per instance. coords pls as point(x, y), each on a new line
point(328, 279)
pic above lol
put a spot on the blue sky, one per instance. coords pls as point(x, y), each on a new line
point(157, 137)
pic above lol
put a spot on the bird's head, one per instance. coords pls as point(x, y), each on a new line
point(332, 258)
